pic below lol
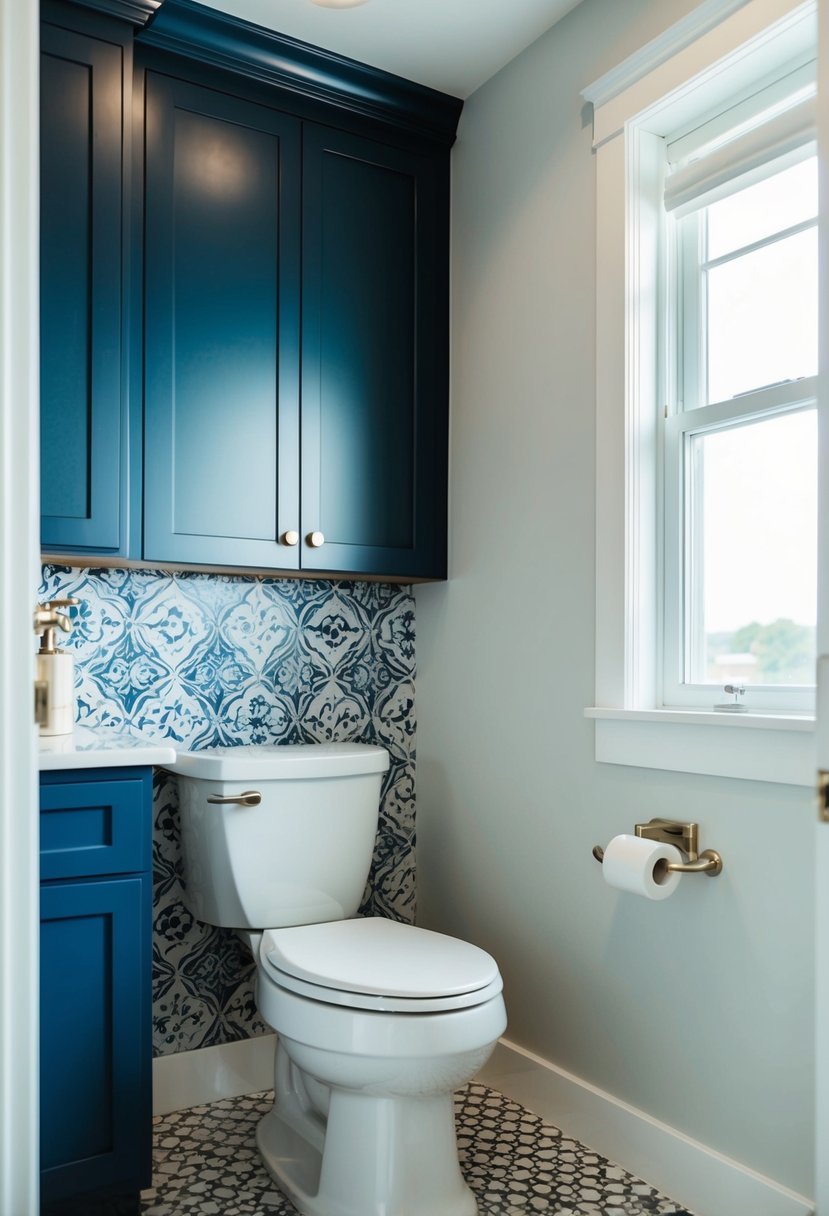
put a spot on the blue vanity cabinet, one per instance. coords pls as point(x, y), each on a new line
point(84, 59)
point(95, 989)
point(374, 370)
point(221, 392)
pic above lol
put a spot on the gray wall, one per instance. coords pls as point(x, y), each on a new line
point(697, 1010)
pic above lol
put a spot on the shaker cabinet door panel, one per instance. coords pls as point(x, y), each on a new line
point(373, 358)
point(95, 1099)
point(95, 989)
point(221, 328)
point(81, 98)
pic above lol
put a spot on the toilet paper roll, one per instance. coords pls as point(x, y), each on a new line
point(637, 865)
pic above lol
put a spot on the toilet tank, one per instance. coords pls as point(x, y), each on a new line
point(296, 850)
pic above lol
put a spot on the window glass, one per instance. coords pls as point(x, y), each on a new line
point(754, 507)
point(769, 206)
point(762, 316)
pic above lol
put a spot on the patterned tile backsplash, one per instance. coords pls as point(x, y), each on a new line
point(207, 659)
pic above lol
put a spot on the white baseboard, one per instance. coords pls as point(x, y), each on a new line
point(691, 1173)
point(192, 1078)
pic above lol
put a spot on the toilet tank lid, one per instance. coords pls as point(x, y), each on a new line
point(282, 762)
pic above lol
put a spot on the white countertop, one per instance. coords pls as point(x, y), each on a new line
point(102, 748)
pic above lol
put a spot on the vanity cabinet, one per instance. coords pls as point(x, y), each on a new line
point(95, 989)
point(84, 58)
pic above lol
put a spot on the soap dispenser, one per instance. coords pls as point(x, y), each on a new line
point(56, 668)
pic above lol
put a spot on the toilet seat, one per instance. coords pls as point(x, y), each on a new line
point(374, 963)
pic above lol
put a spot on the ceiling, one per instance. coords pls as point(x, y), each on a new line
point(451, 45)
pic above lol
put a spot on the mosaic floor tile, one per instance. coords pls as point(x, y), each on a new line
point(206, 1164)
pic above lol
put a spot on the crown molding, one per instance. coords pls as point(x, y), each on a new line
point(674, 39)
point(220, 40)
point(137, 12)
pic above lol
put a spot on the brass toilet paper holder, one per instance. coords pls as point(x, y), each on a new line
point(686, 837)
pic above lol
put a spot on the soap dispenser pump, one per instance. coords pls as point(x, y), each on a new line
point(56, 668)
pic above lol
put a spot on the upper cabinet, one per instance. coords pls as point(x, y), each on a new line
point(82, 121)
point(288, 353)
point(374, 427)
point(221, 387)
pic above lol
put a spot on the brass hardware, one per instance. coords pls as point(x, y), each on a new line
point(686, 837)
point(248, 798)
point(669, 831)
point(290, 537)
point(709, 862)
point(41, 703)
point(46, 619)
point(823, 796)
point(316, 539)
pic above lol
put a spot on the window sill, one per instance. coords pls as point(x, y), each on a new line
point(754, 747)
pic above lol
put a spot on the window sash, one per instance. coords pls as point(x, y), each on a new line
point(690, 301)
point(682, 553)
point(688, 414)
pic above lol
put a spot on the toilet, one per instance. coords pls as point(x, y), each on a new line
point(377, 1022)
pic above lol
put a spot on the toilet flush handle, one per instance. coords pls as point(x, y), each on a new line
point(249, 798)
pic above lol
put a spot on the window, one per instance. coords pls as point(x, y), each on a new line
point(706, 351)
point(740, 432)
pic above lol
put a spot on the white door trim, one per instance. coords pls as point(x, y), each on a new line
point(19, 398)
point(822, 711)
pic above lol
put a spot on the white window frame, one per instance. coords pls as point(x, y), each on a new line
point(722, 49)
point(681, 548)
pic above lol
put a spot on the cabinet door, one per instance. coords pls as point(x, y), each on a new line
point(95, 1058)
point(99, 826)
point(81, 98)
point(221, 329)
point(374, 369)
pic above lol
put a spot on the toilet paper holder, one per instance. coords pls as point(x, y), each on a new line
point(686, 837)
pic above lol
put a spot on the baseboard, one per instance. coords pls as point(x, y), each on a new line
point(707, 1182)
point(192, 1078)
point(691, 1173)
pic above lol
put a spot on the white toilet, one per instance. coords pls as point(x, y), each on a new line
point(377, 1022)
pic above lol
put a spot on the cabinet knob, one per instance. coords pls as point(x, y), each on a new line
point(316, 539)
point(290, 538)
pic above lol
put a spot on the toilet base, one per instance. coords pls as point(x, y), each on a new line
point(370, 1156)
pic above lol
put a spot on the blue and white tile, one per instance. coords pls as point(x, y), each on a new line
point(336, 630)
point(205, 659)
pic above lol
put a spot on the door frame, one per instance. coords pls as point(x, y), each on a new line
point(822, 724)
point(19, 561)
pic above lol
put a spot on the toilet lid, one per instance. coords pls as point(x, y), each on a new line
point(379, 957)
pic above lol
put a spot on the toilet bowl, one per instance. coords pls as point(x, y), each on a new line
point(363, 1119)
point(377, 1022)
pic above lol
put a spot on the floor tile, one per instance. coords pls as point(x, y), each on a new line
point(206, 1164)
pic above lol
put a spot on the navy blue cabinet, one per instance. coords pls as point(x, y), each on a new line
point(222, 288)
point(374, 326)
point(82, 163)
point(245, 322)
point(95, 989)
point(341, 468)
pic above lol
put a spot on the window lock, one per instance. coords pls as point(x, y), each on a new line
point(736, 706)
